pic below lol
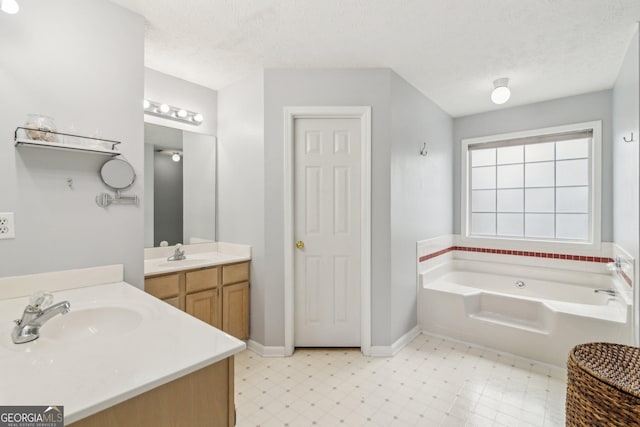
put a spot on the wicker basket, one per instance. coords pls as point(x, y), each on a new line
point(603, 385)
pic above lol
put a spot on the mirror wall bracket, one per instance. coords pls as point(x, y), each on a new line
point(105, 199)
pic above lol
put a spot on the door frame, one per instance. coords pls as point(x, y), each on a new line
point(363, 113)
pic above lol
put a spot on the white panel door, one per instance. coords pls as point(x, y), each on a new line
point(327, 221)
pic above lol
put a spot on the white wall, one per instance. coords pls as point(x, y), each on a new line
point(199, 184)
point(80, 62)
point(241, 189)
point(574, 109)
point(171, 90)
point(421, 191)
point(626, 185)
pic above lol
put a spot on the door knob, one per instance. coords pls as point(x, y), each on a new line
point(300, 244)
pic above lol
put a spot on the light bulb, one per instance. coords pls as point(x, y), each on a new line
point(146, 104)
point(501, 92)
point(175, 157)
point(198, 118)
point(182, 113)
point(10, 6)
point(164, 108)
point(500, 95)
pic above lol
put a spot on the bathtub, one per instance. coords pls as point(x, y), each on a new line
point(537, 313)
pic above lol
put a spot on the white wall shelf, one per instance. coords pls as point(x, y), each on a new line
point(76, 146)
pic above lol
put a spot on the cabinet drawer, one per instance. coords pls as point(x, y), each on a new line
point(163, 286)
point(235, 273)
point(202, 279)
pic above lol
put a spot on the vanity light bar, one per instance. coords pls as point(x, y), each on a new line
point(170, 112)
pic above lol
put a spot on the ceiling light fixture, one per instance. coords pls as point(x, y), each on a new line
point(170, 112)
point(501, 92)
point(175, 157)
point(9, 6)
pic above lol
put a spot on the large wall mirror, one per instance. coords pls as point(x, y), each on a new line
point(180, 186)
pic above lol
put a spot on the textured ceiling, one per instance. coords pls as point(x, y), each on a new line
point(451, 50)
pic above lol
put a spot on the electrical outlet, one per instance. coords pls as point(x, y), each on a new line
point(7, 226)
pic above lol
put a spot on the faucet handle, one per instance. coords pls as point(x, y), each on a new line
point(41, 300)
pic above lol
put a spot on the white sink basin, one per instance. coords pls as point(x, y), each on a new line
point(80, 324)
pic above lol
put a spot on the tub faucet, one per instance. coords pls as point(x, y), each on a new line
point(35, 315)
point(610, 292)
point(178, 254)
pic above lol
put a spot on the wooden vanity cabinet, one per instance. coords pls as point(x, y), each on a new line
point(202, 398)
point(216, 295)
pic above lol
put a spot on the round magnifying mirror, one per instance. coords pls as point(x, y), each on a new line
point(117, 174)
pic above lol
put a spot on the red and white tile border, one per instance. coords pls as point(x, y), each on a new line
point(443, 248)
point(517, 253)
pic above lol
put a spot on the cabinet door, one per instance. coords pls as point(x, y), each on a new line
point(175, 301)
point(235, 310)
point(205, 306)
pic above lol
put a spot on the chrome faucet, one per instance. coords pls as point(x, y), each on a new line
point(178, 254)
point(35, 315)
point(610, 292)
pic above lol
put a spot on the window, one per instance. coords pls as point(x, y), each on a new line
point(534, 185)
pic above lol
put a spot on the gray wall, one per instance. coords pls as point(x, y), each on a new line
point(168, 200)
point(148, 195)
point(421, 191)
point(199, 187)
point(327, 87)
point(171, 90)
point(250, 165)
point(241, 191)
point(80, 62)
point(626, 185)
point(574, 109)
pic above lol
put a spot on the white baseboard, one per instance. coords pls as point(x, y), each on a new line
point(265, 351)
point(393, 349)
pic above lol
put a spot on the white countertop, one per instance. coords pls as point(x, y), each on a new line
point(117, 342)
point(155, 266)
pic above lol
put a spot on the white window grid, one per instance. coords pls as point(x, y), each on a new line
point(524, 189)
point(542, 243)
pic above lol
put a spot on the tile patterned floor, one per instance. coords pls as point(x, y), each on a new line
point(431, 382)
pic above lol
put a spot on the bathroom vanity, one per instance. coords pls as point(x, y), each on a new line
point(212, 286)
point(119, 357)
